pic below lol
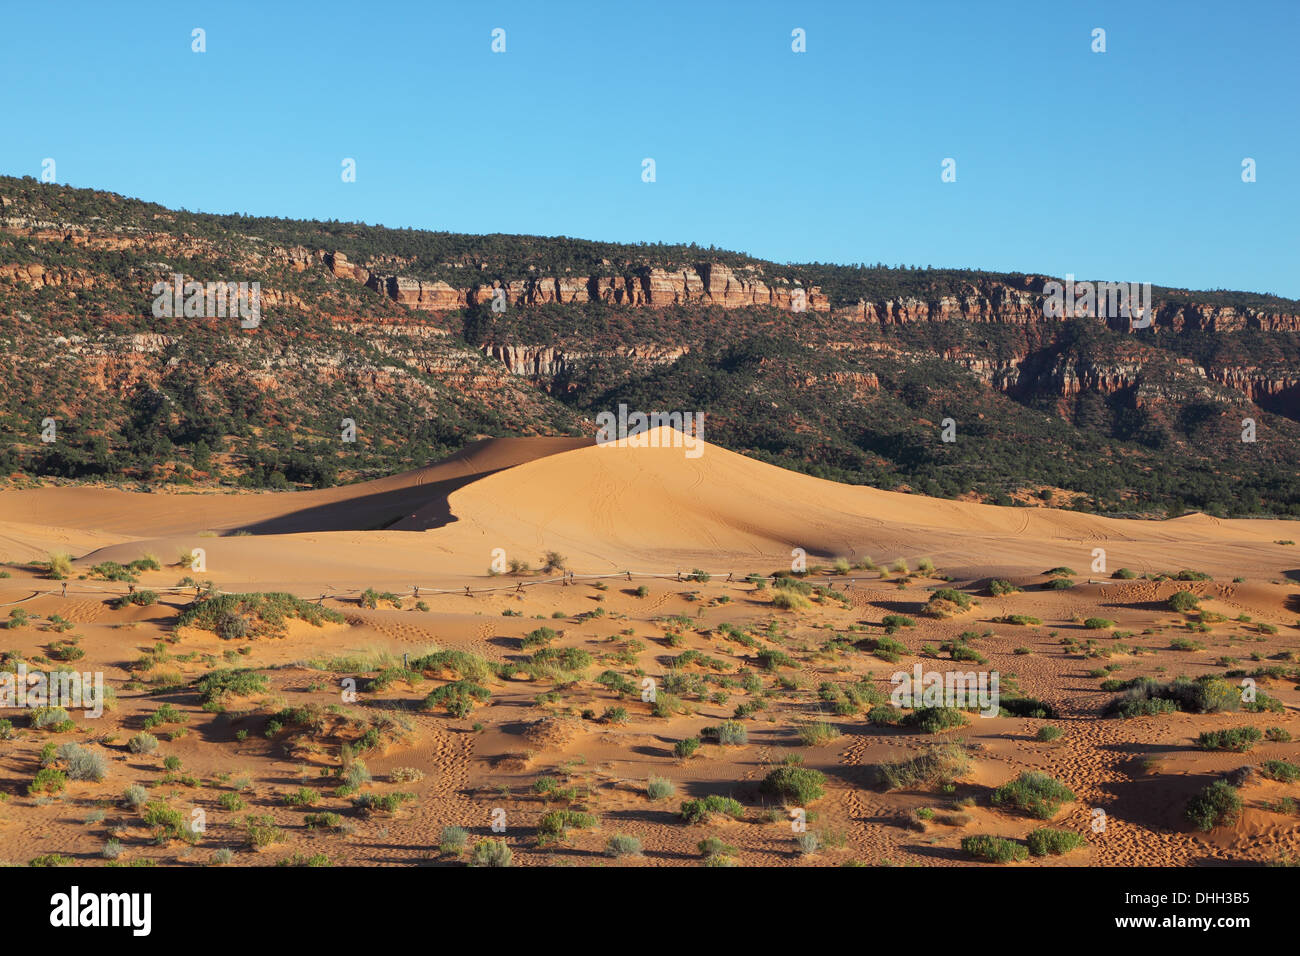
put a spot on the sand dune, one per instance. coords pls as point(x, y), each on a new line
point(609, 509)
point(605, 508)
point(113, 513)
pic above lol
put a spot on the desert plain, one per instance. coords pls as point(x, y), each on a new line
point(614, 656)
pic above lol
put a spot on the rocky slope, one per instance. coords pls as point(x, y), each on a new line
point(428, 340)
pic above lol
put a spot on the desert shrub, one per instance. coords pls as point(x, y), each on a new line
point(817, 733)
point(556, 823)
point(616, 682)
point(1048, 842)
point(215, 686)
point(1034, 793)
point(1144, 695)
point(135, 796)
point(565, 659)
point(458, 697)
point(884, 715)
point(47, 780)
point(946, 601)
point(940, 764)
point(1098, 623)
point(54, 719)
point(788, 600)
point(229, 800)
point(370, 803)
point(83, 764)
point(143, 743)
point(621, 845)
point(1021, 620)
point(1183, 601)
point(1275, 734)
point(1236, 739)
point(694, 811)
point(666, 705)
point(322, 821)
point(66, 650)
point(1279, 770)
point(770, 659)
point(452, 840)
point(659, 788)
point(302, 797)
point(370, 598)
point(261, 831)
point(541, 637)
point(892, 622)
point(934, 720)
point(230, 626)
point(1217, 805)
point(60, 565)
point(1001, 586)
point(994, 849)
point(265, 613)
point(137, 598)
point(462, 664)
point(490, 852)
point(797, 785)
point(1048, 733)
point(728, 733)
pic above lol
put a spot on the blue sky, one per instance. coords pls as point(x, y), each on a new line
point(1122, 165)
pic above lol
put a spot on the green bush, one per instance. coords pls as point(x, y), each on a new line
point(143, 743)
point(1034, 793)
point(556, 823)
point(695, 811)
point(458, 697)
point(1280, 770)
point(796, 785)
point(728, 733)
point(940, 764)
point(934, 720)
point(621, 845)
point(1236, 739)
point(1048, 842)
point(1216, 805)
point(490, 852)
point(994, 849)
point(817, 733)
point(47, 780)
point(1048, 733)
point(452, 840)
point(1183, 601)
point(659, 788)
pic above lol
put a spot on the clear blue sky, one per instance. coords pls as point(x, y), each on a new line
point(1124, 165)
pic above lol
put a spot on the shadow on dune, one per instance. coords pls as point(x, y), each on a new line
point(419, 508)
point(1157, 801)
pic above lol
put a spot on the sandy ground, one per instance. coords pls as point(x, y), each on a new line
point(654, 514)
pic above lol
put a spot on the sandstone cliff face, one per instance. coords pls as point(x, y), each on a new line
point(549, 362)
point(707, 284)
